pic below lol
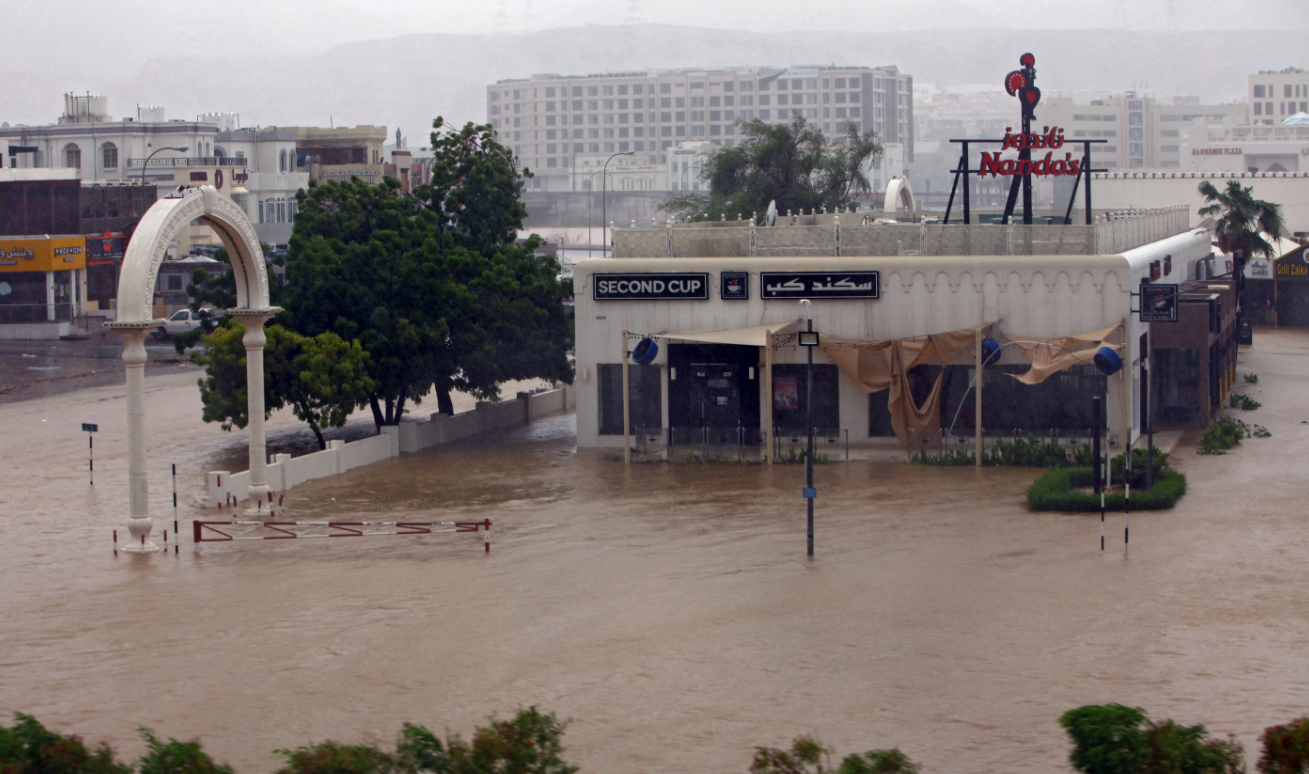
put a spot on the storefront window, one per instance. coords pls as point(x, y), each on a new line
point(645, 384)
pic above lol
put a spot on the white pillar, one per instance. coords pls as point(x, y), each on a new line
point(139, 523)
point(50, 296)
point(254, 339)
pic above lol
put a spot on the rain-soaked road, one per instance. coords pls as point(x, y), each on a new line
point(668, 610)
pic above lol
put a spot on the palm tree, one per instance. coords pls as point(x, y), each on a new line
point(1242, 219)
point(1242, 223)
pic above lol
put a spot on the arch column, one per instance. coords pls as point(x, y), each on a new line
point(254, 339)
point(139, 523)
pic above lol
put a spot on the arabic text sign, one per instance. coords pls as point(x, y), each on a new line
point(820, 284)
point(687, 286)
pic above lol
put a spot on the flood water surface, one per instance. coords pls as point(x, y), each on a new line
point(668, 610)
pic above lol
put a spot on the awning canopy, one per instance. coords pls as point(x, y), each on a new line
point(745, 337)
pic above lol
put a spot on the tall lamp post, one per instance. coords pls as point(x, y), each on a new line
point(146, 163)
point(809, 340)
point(604, 208)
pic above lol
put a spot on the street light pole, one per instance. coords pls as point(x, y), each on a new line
point(604, 208)
point(146, 163)
point(809, 340)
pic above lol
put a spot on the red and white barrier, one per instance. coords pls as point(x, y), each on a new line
point(223, 531)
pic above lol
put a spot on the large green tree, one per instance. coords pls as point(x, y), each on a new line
point(792, 164)
point(321, 378)
point(433, 284)
point(476, 187)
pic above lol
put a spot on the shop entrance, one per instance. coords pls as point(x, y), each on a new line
point(713, 394)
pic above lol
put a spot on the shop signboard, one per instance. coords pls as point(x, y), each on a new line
point(1292, 266)
point(734, 285)
point(820, 284)
point(43, 254)
point(654, 286)
point(1158, 303)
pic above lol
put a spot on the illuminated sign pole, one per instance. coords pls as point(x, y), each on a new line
point(809, 340)
point(1020, 83)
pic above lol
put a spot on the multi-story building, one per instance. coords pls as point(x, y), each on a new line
point(256, 168)
point(1276, 95)
point(340, 153)
point(1140, 131)
point(555, 123)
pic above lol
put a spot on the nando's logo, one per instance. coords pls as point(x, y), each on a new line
point(1051, 138)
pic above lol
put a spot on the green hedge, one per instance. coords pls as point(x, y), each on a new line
point(1055, 491)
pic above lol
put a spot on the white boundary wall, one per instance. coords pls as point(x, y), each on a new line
point(285, 471)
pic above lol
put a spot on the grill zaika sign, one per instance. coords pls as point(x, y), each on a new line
point(689, 286)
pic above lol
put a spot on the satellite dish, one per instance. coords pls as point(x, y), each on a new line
point(770, 217)
point(990, 351)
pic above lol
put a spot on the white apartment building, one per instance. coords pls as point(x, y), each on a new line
point(554, 123)
point(254, 167)
point(1275, 96)
point(1141, 132)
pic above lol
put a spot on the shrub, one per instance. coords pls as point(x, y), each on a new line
point(528, 744)
point(1107, 739)
point(810, 756)
point(1113, 739)
point(28, 747)
point(1138, 466)
point(1286, 748)
point(1055, 491)
point(335, 758)
point(1252, 378)
point(1221, 434)
point(174, 757)
point(890, 761)
point(1243, 402)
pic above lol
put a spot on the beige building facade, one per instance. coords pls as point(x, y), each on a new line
point(556, 123)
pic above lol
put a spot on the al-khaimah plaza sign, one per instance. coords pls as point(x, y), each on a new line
point(1015, 157)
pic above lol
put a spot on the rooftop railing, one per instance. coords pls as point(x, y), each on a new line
point(1113, 232)
point(190, 161)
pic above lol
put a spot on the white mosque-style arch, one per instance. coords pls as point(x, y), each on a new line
point(899, 192)
point(135, 319)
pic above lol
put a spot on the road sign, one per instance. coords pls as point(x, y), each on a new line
point(87, 427)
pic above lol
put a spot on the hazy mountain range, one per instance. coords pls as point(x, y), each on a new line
point(405, 81)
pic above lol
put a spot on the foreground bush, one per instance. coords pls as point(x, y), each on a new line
point(810, 756)
point(531, 743)
point(1113, 739)
point(28, 747)
point(1286, 748)
point(1057, 491)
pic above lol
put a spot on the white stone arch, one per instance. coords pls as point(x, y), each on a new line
point(135, 319)
point(898, 191)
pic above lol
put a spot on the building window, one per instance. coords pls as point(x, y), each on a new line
point(1258, 110)
point(1259, 91)
point(109, 155)
point(72, 156)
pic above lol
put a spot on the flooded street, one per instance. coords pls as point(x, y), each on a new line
point(669, 610)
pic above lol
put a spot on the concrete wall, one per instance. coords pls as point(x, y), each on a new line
point(1123, 190)
point(285, 471)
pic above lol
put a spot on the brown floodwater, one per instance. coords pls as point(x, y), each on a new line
point(668, 610)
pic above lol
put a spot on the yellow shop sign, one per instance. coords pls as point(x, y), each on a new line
point(43, 254)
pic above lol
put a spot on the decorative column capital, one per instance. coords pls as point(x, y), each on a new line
point(253, 321)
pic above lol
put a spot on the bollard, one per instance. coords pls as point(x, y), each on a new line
point(115, 542)
point(486, 535)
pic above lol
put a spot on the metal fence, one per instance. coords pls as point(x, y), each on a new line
point(11, 314)
point(1113, 232)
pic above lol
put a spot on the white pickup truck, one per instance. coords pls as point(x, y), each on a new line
point(181, 322)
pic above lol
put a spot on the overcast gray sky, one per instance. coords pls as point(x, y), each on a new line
point(277, 61)
point(52, 32)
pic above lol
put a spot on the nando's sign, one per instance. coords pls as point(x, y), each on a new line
point(1051, 138)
